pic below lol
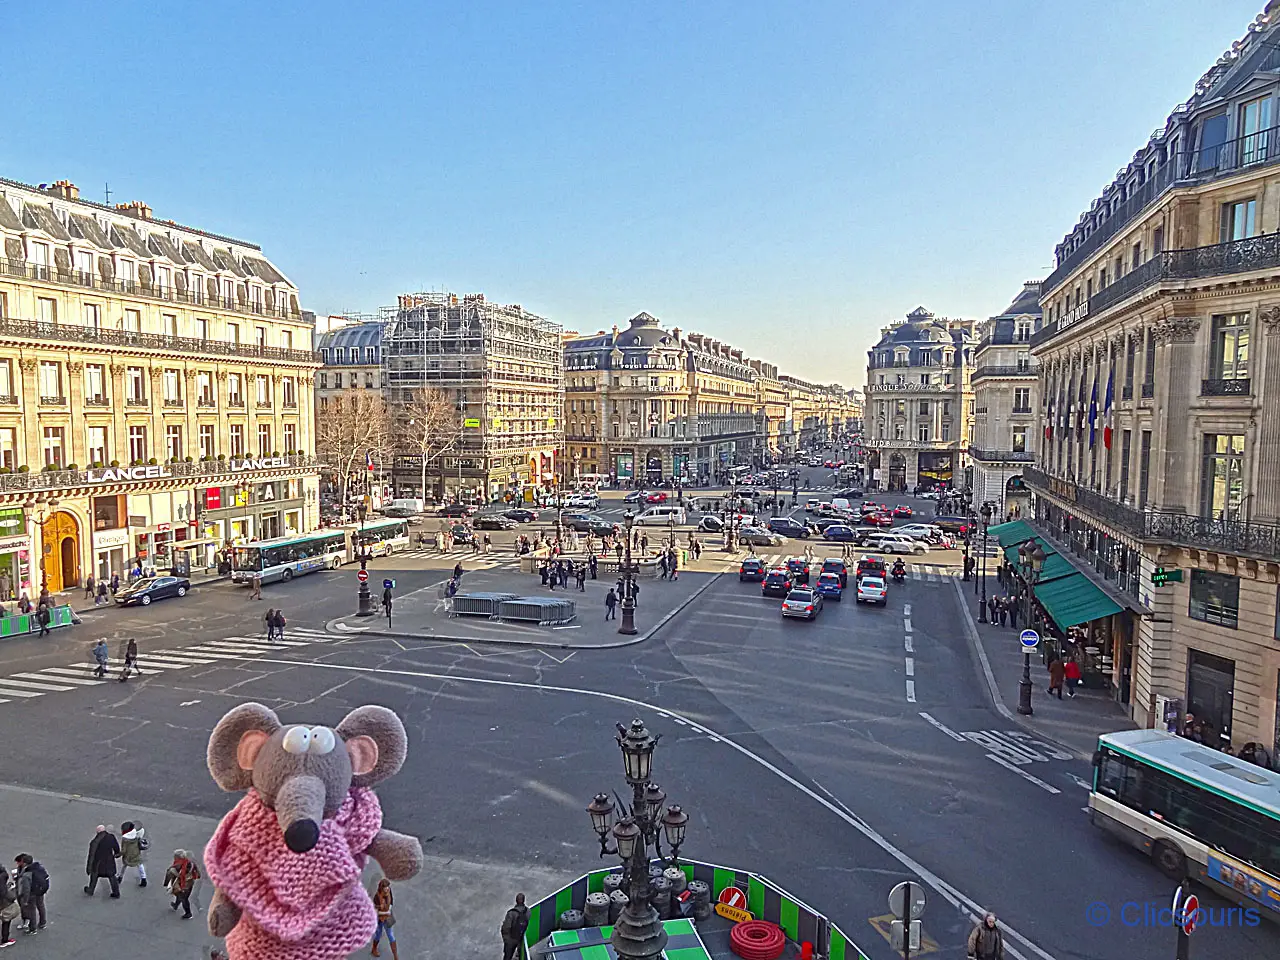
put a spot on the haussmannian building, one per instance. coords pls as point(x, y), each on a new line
point(155, 392)
point(1159, 367)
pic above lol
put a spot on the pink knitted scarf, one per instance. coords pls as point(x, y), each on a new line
point(296, 906)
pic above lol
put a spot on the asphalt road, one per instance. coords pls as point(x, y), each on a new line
point(796, 748)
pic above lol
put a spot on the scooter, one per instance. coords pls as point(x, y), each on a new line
point(899, 573)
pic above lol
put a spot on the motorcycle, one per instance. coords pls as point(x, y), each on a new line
point(899, 573)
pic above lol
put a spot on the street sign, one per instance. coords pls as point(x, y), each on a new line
point(1190, 910)
point(1030, 639)
point(388, 583)
point(733, 913)
point(471, 422)
point(896, 938)
point(363, 576)
point(1160, 576)
point(733, 897)
point(898, 897)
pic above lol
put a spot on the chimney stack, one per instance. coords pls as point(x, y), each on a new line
point(135, 208)
point(62, 188)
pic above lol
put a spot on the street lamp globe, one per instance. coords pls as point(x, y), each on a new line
point(674, 822)
point(654, 798)
point(601, 810)
point(637, 751)
point(625, 835)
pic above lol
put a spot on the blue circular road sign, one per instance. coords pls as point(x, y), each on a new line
point(388, 584)
point(1029, 638)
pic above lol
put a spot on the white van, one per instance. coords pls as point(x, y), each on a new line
point(661, 516)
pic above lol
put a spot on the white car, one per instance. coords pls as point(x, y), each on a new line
point(811, 505)
point(873, 590)
point(920, 531)
point(583, 501)
point(895, 543)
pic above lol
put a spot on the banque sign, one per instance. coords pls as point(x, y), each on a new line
point(162, 471)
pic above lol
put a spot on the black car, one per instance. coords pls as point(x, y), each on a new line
point(521, 516)
point(456, 510)
point(152, 588)
point(798, 568)
point(494, 522)
point(788, 527)
point(752, 569)
point(776, 583)
point(588, 523)
point(823, 522)
point(462, 534)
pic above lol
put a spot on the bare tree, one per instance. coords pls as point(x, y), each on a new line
point(351, 425)
point(427, 423)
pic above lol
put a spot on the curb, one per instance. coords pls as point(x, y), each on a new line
point(331, 627)
point(982, 665)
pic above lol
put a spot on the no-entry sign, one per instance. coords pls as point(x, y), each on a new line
point(733, 897)
point(363, 576)
point(1190, 910)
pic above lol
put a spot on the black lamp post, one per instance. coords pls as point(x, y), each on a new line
point(1031, 557)
point(363, 595)
point(982, 603)
point(638, 933)
point(966, 556)
point(731, 513)
point(628, 627)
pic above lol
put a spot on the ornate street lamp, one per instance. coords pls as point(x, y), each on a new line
point(628, 627)
point(638, 933)
point(1031, 557)
point(982, 603)
point(363, 595)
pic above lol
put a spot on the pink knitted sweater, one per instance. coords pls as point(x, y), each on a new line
point(296, 906)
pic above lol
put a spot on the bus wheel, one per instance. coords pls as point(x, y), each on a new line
point(388, 551)
point(1170, 859)
point(337, 562)
point(286, 576)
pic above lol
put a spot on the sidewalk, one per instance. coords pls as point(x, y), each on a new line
point(425, 614)
point(86, 609)
point(1075, 723)
point(453, 908)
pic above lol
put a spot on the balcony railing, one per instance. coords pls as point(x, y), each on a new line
point(210, 470)
point(9, 400)
point(1148, 391)
point(53, 401)
point(1005, 370)
point(173, 401)
point(74, 333)
point(132, 288)
point(235, 401)
point(206, 402)
point(1183, 529)
point(97, 400)
point(1238, 387)
point(136, 402)
point(1008, 456)
point(587, 388)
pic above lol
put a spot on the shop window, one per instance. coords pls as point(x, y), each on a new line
point(108, 513)
point(1215, 598)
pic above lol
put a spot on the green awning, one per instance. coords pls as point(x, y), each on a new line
point(1055, 565)
point(1074, 599)
point(1012, 533)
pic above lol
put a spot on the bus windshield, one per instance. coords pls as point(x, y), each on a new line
point(246, 558)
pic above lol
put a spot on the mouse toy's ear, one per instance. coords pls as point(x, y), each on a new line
point(377, 743)
point(235, 742)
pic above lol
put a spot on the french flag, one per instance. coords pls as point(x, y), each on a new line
point(1093, 413)
point(1106, 413)
point(368, 459)
point(1048, 421)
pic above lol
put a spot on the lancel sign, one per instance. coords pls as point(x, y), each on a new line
point(162, 471)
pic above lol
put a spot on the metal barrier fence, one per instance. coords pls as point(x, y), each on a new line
point(539, 610)
point(479, 604)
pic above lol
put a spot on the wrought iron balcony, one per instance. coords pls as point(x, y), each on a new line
point(203, 470)
point(136, 402)
point(235, 401)
point(173, 401)
point(1003, 370)
point(1239, 387)
point(55, 401)
point(1006, 456)
point(206, 402)
point(582, 388)
point(97, 400)
point(9, 400)
point(74, 333)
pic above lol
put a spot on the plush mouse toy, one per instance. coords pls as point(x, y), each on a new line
point(286, 862)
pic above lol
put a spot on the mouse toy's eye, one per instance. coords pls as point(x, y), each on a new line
point(322, 740)
point(297, 740)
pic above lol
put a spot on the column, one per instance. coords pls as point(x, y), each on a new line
point(155, 442)
point(190, 430)
point(77, 442)
point(32, 456)
point(1175, 357)
point(1266, 385)
point(118, 448)
point(306, 415)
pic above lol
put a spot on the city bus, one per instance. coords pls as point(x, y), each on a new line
point(379, 537)
point(1198, 812)
point(287, 557)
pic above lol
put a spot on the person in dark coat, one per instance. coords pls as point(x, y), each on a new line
point(1057, 674)
point(985, 941)
point(514, 925)
point(104, 850)
point(1004, 611)
point(611, 605)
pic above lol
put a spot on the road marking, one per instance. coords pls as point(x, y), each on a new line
point(1081, 783)
point(906, 609)
point(188, 703)
point(1022, 773)
point(943, 727)
point(911, 691)
point(48, 687)
point(911, 667)
point(951, 894)
point(44, 676)
point(909, 645)
point(906, 625)
point(20, 693)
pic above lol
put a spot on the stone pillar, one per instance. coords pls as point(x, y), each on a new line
point(1266, 504)
point(77, 442)
point(1173, 463)
point(155, 442)
point(31, 452)
point(118, 447)
point(190, 429)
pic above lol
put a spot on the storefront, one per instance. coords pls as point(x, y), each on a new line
point(110, 553)
point(15, 555)
point(625, 466)
point(249, 510)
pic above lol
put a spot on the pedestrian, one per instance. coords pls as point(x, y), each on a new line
point(10, 910)
point(256, 593)
point(90, 587)
point(662, 566)
point(544, 568)
point(1071, 672)
point(1057, 673)
point(103, 851)
point(617, 548)
point(1000, 574)
point(1013, 613)
point(100, 656)
point(43, 617)
point(675, 564)
point(31, 878)
point(279, 624)
point(593, 564)
point(382, 903)
point(133, 846)
point(115, 583)
point(991, 607)
point(582, 578)
point(130, 660)
point(180, 879)
point(635, 593)
point(102, 594)
point(24, 603)
point(611, 605)
point(514, 925)
point(488, 542)
point(269, 618)
point(986, 941)
point(1004, 611)
point(644, 543)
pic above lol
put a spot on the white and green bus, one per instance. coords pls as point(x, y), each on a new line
point(379, 537)
point(1198, 812)
point(287, 557)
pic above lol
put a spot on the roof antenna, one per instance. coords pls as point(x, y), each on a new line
point(107, 190)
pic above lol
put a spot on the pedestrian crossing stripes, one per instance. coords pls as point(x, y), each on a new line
point(38, 683)
point(933, 572)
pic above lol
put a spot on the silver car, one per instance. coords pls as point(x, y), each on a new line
point(759, 537)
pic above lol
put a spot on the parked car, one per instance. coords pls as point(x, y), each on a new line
point(582, 501)
point(759, 537)
point(752, 570)
point(821, 523)
point(788, 527)
point(920, 531)
point(635, 496)
point(836, 566)
point(143, 591)
point(805, 603)
point(521, 515)
point(829, 585)
point(590, 523)
point(839, 533)
point(494, 522)
point(902, 510)
point(873, 590)
point(776, 583)
point(711, 524)
point(798, 567)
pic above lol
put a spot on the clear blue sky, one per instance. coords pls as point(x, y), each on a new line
point(785, 176)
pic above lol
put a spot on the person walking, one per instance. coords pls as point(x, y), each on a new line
point(90, 587)
point(43, 617)
point(674, 564)
point(181, 879)
point(662, 566)
point(382, 903)
point(635, 592)
point(101, 598)
point(514, 925)
point(593, 565)
point(1071, 673)
point(279, 624)
point(611, 605)
point(582, 577)
point(115, 584)
point(32, 882)
point(10, 910)
point(545, 569)
point(103, 851)
point(1014, 606)
point(133, 845)
point(256, 593)
point(100, 656)
point(985, 941)
point(1004, 611)
point(130, 660)
point(1057, 673)
point(269, 618)
point(991, 608)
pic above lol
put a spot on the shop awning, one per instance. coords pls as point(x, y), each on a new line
point(1055, 565)
point(1074, 599)
point(1012, 533)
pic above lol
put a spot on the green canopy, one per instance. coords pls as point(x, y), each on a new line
point(1055, 564)
point(1012, 533)
point(1074, 599)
